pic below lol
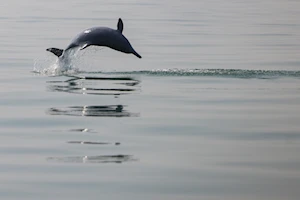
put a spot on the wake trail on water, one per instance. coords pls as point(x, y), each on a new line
point(69, 64)
point(223, 73)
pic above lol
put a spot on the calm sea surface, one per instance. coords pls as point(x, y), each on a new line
point(211, 111)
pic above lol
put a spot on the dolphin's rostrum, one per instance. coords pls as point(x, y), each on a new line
point(100, 36)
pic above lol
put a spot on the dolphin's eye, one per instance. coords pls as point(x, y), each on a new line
point(87, 31)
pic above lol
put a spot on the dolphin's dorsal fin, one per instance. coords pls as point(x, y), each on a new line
point(120, 25)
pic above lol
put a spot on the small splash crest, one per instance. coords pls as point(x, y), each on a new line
point(230, 73)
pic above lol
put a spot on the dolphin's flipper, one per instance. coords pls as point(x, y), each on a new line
point(120, 25)
point(56, 51)
point(84, 46)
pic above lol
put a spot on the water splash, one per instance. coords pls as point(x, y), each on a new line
point(64, 65)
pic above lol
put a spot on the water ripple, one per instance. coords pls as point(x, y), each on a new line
point(226, 73)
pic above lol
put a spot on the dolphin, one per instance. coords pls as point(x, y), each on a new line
point(100, 36)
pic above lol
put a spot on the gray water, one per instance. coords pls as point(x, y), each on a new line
point(211, 111)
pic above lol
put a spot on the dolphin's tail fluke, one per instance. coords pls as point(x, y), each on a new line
point(56, 51)
point(136, 54)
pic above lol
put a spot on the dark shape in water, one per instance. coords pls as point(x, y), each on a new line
point(93, 111)
point(100, 36)
point(118, 158)
point(82, 130)
point(101, 78)
point(87, 142)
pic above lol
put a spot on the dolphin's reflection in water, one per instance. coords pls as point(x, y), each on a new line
point(119, 158)
point(93, 111)
point(94, 86)
point(92, 143)
point(90, 85)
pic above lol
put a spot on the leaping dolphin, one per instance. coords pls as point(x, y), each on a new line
point(100, 36)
